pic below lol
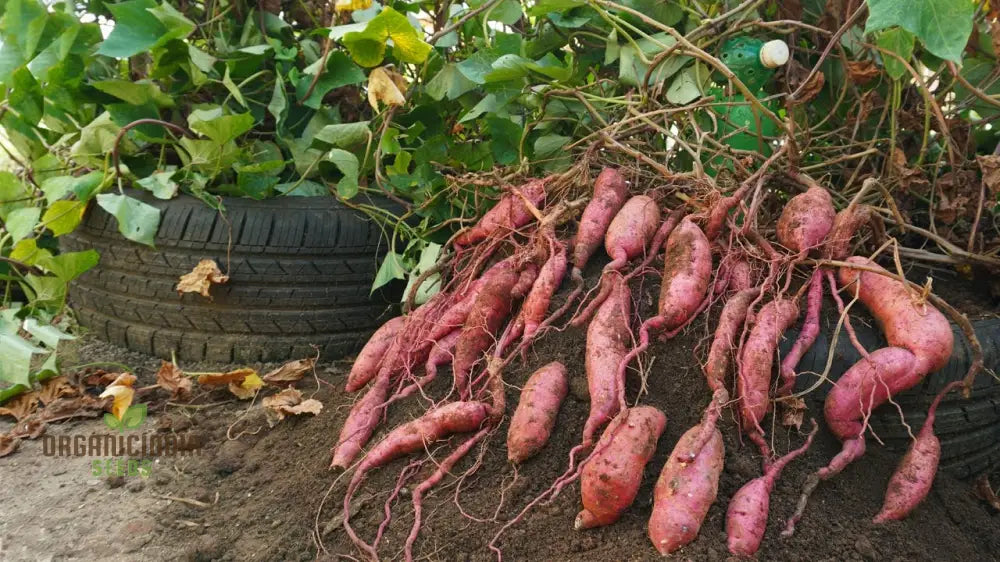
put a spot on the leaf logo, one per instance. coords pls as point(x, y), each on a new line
point(132, 418)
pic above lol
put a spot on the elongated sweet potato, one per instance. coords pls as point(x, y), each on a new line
point(906, 322)
point(536, 304)
point(610, 192)
point(687, 271)
point(684, 492)
point(631, 230)
point(807, 335)
point(610, 479)
point(510, 213)
point(806, 220)
point(536, 413)
point(608, 339)
point(845, 224)
point(367, 363)
point(746, 518)
point(754, 379)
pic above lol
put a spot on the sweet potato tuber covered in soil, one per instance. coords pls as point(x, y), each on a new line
point(610, 192)
point(510, 213)
point(610, 479)
point(536, 413)
point(608, 338)
point(687, 271)
point(684, 492)
point(754, 379)
point(806, 220)
point(536, 304)
point(367, 363)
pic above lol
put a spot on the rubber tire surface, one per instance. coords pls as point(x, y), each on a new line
point(300, 272)
point(969, 429)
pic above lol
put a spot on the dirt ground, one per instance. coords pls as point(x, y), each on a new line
point(257, 493)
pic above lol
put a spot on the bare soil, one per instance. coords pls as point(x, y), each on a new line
point(257, 491)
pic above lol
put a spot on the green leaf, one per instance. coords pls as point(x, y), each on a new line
point(547, 145)
point(141, 25)
point(449, 83)
point(428, 257)
point(27, 251)
point(506, 139)
point(135, 93)
point(512, 67)
point(97, 139)
point(21, 222)
point(48, 293)
point(687, 86)
point(340, 71)
point(302, 188)
point(278, 104)
point(160, 184)
point(899, 41)
point(25, 96)
point(202, 60)
point(544, 7)
point(227, 81)
point(216, 125)
point(63, 216)
point(348, 165)
point(67, 266)
point(342, 135)
point(507, 12)
point(391, 269)
point(134, 416)
point(13, 194)
point(943, 26)
point(16, 353)
point(45, 333)
point(137, 221)
point(112, 422)
point(632, 69)
point(367, 47)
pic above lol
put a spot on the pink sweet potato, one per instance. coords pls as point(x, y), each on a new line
point(754, 379)
point(731, 319)
point(610, 479)
point(366, 364)
point(845, 224)
point(631, 230)
point(687, 271)
point(746, 518)
point(913, 479)
point(610, 191)
point(684, 493)
point(536, 413)
point(907, 323)
point(536, 304)
point(510, 213)
point(807, 335)
point(806, 220)
point(608, 340)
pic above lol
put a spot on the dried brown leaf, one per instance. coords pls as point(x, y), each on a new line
point(21, 406)
point(862, 71)
point(990, 167)
point(29, 429)
point(8, 444)
point(100, 378)
point(995, 33)
point(289, 372)
point(55, 388)
point(201, 278)
point(386, 87)
point(83, 406)
point(219, 379)
point(797, 75)
point(172, 379)
point(912, 180)
point(793, 412)
point(289, 402)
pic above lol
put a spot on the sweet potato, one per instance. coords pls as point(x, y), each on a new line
point(366, 364)
point(536, 413)
point(907, 323)
point(510, 213)
point(913, 479)
point(754, 379)
point(608, 339)
point(610, 479)
point(687, 271)
point(684, 492)
point(631, 230)
point(845, 224)
point(610, 191)
point(746, 518)
point(441, 353)
point(806, 220)
point(536, 304)
point(807, 335)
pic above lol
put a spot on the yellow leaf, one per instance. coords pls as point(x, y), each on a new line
point(201, 278)
point(248, 388)
point(122, 393)
point(386, 87)
point(217, 379)
point(351, 5)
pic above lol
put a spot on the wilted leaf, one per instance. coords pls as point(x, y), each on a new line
point(289, 372)
point(29, 429)
point(248, 388)
point(201, 278)
point(289, 402)
point(219, 379)
point(55, 388)
point(351, 5)
point(99, 377)
point(8, 444)
point(83, 406)
point(909, 179)
point(121, 392)
point(792, 412)
point(385, 87)
point(797, 74)
point(21, 406)
point(990, 167)
point(862, 71)
point(171, 378)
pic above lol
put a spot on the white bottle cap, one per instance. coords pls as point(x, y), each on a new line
point(774, 53)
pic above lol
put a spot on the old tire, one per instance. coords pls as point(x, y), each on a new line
point(969, 429)
point(300, 273)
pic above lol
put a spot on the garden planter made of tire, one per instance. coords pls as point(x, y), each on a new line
point(969, 429)
point(300, 271)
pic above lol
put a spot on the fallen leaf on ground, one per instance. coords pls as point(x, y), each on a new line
point(792, 412)
point(20, 406)
point(121, 392)
point(386, 87)
point(990, 166)
point(248, 388)
point(29, 429)
point(219, 379)
point(983, 491)
point(171, 378)
point(55, 388)
point(862, 71)
point(289, 372)
point(8, 444)
point(201, 278)
point(289, 402)
point(83, 406)
point(100, 377)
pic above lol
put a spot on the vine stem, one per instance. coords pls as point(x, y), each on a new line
point(121, 133)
